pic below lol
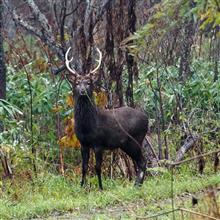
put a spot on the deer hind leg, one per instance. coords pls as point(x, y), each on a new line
point(85, 160)
point(136, 154)
point(141, 171)
point(98, 158)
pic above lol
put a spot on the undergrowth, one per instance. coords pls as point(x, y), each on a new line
point(48, 194)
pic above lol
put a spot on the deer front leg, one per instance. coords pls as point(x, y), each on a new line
point(98, 158)
point(85, 160)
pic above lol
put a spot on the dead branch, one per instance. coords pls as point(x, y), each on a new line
point(44, 33)
point(188, 143)
point(149, 152)
point(198, 213)
point(193, 158)
point(5, 164)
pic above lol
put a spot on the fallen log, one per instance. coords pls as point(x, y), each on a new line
point(188, 143)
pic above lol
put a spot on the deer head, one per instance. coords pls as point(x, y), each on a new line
point(82, 84)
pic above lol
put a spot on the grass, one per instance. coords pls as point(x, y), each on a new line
point(49, 194)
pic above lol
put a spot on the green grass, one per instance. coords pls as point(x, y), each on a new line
point(49, 193)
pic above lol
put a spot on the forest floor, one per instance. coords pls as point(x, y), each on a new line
point(56, 197)
point(204, 199)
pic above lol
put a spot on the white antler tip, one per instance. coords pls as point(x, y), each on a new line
point(98, 60)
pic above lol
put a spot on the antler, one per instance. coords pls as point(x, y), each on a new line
point(67, 62)
point(99, 61)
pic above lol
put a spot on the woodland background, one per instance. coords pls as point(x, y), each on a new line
point(158, 56)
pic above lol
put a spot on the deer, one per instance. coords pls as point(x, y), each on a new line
point(105, 129)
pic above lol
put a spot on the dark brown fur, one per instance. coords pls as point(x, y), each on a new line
point(123, 128)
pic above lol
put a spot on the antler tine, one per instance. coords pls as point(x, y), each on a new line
point(67, 62)
point(99, 61)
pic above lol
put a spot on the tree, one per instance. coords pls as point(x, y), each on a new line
point(83, 25)
point(4, 159)
point(2, 60)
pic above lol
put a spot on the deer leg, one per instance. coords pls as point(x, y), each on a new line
point(141, 164)
point(98, 158)
point(140, 160)
point(85, 161)
point(136, 154)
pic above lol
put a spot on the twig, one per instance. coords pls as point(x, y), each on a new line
point(172, 193)
point(199, 214)
point(151, 148)
point(193, 158)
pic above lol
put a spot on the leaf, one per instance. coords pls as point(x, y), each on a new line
point(56, 108)
point(101, 99)
point(69, 142)
point(217, 20)
point(70, 139)
point(69, 100)
point(9, 109)
point(40, 64)
point(6, 149)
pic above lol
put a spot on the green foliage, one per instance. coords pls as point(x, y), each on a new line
point(6, 109)
point(199, 94)
point(167, 20)
point(11, 126)
point(162, 35)
point(16, 121)
point(207, 12)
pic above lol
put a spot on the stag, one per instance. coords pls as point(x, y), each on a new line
point(101, 130)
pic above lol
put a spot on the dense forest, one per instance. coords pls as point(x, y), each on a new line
point(159, 57)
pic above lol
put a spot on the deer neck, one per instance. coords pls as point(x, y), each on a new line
point(85, 114)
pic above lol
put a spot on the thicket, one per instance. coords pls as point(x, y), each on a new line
point(176, 83)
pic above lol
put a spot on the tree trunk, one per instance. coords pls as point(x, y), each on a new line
point(4, 158)
point(2, 59)
point(216, 56)
point(131, 64)
point(189, 32)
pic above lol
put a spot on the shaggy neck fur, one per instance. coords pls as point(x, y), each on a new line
point(85, 114)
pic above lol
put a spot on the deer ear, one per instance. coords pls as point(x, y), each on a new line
point(71, 78)
point(95, 77)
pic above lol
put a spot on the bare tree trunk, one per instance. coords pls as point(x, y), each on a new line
point(114, 60)
point(4, 158)
point(162, 114)
point(189, 32)
point(2, 59)
point(119, 36)
point(158, 126)
point(109, 43)
point(216, 162)
point(131, 64)
point(216, 55)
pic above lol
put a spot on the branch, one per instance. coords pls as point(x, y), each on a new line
point(40, 17)
point(5, 164)
point(44, 33)
point(189, 142)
